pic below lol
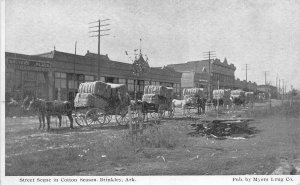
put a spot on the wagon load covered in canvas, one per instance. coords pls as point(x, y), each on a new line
point(221, 94)
point(99, 100)
point(157, 99)
point(238, 96)
point(249, 97)
point(157, 90)
point(192, 94)
point(97, 88)
point(89, 100)
point(237, 93)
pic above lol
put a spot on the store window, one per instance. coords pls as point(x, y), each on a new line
point(18, 79)
point(141, 85)
point(176, 88)
point(155, 83)
point(122, 81)
point(112, 80)
point(147, 82)
point(130, 85)
point(75, 80)
point(60, 80)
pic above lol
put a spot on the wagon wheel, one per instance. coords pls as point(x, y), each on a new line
point(79, 119)
point(170, 113)
point(161, 114)
point(122, 119)
point(154, 114)
point(188, 112)
point(95, 116)
point(108, 118)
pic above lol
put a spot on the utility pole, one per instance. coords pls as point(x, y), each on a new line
point(266, 77)
point(266, 82)
point(98, 31)
point(282, 88)
point(74, 75)
point(247, 65)
point(276, 86)
point(208, 55)
point(279, 88)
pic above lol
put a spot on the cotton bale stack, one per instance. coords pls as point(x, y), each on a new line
point(89, 100)
point(157, 94)
point(97, 88)
point(249, 97)
point(192, 94)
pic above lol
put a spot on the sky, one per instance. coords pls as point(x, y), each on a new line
point(265, 34)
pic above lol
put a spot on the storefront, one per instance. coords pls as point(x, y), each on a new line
point(27, 75)
point(70, 70)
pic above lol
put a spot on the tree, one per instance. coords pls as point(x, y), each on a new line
point(140, 66)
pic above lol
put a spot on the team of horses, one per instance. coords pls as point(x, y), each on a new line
point(46, 109)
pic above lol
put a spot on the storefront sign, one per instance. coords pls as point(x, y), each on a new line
point(28, 64)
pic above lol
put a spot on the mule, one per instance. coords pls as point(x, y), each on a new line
point(51, 108)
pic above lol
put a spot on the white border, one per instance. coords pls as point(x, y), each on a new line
point(2, 92)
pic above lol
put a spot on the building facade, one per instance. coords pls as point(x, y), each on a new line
point(193, 79)
point(221, 72)
point(63, 72)
point(246, 86)
point(268, 89)
point(27, 75)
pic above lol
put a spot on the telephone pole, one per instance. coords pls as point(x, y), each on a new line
point(276, 85)
point(266, 77)
point(279, 88)
point(247, 65)
point(282, 88)
point(209, 55)
point(74, 71)
point(266, 85)
point(99, 35)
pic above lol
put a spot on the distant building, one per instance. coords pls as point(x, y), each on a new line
point(220, 71)
point(193, 79)
point(268, 89)
point(246, 86)
point(57, 75)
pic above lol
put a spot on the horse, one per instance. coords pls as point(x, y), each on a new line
point(261, 97)
point(180, 104)
point(201, 105)
point(51, 108)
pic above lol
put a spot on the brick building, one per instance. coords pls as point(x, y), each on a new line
point(220, 71)
point(268, 89)
point(193, 79)
point(57, 75)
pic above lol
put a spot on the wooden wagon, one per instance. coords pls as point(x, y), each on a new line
point(195, 99)
point(97, 103)
point(157, 101)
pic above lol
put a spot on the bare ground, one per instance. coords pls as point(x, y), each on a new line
point(165, 149)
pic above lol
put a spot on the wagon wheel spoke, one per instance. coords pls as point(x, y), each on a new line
point(101, 118)
point(108, 118)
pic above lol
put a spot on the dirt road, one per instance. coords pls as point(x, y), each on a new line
point(164, 149)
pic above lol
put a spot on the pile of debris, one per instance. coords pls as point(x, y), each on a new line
point(223, 128)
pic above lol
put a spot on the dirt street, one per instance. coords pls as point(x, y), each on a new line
point(163, 149)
